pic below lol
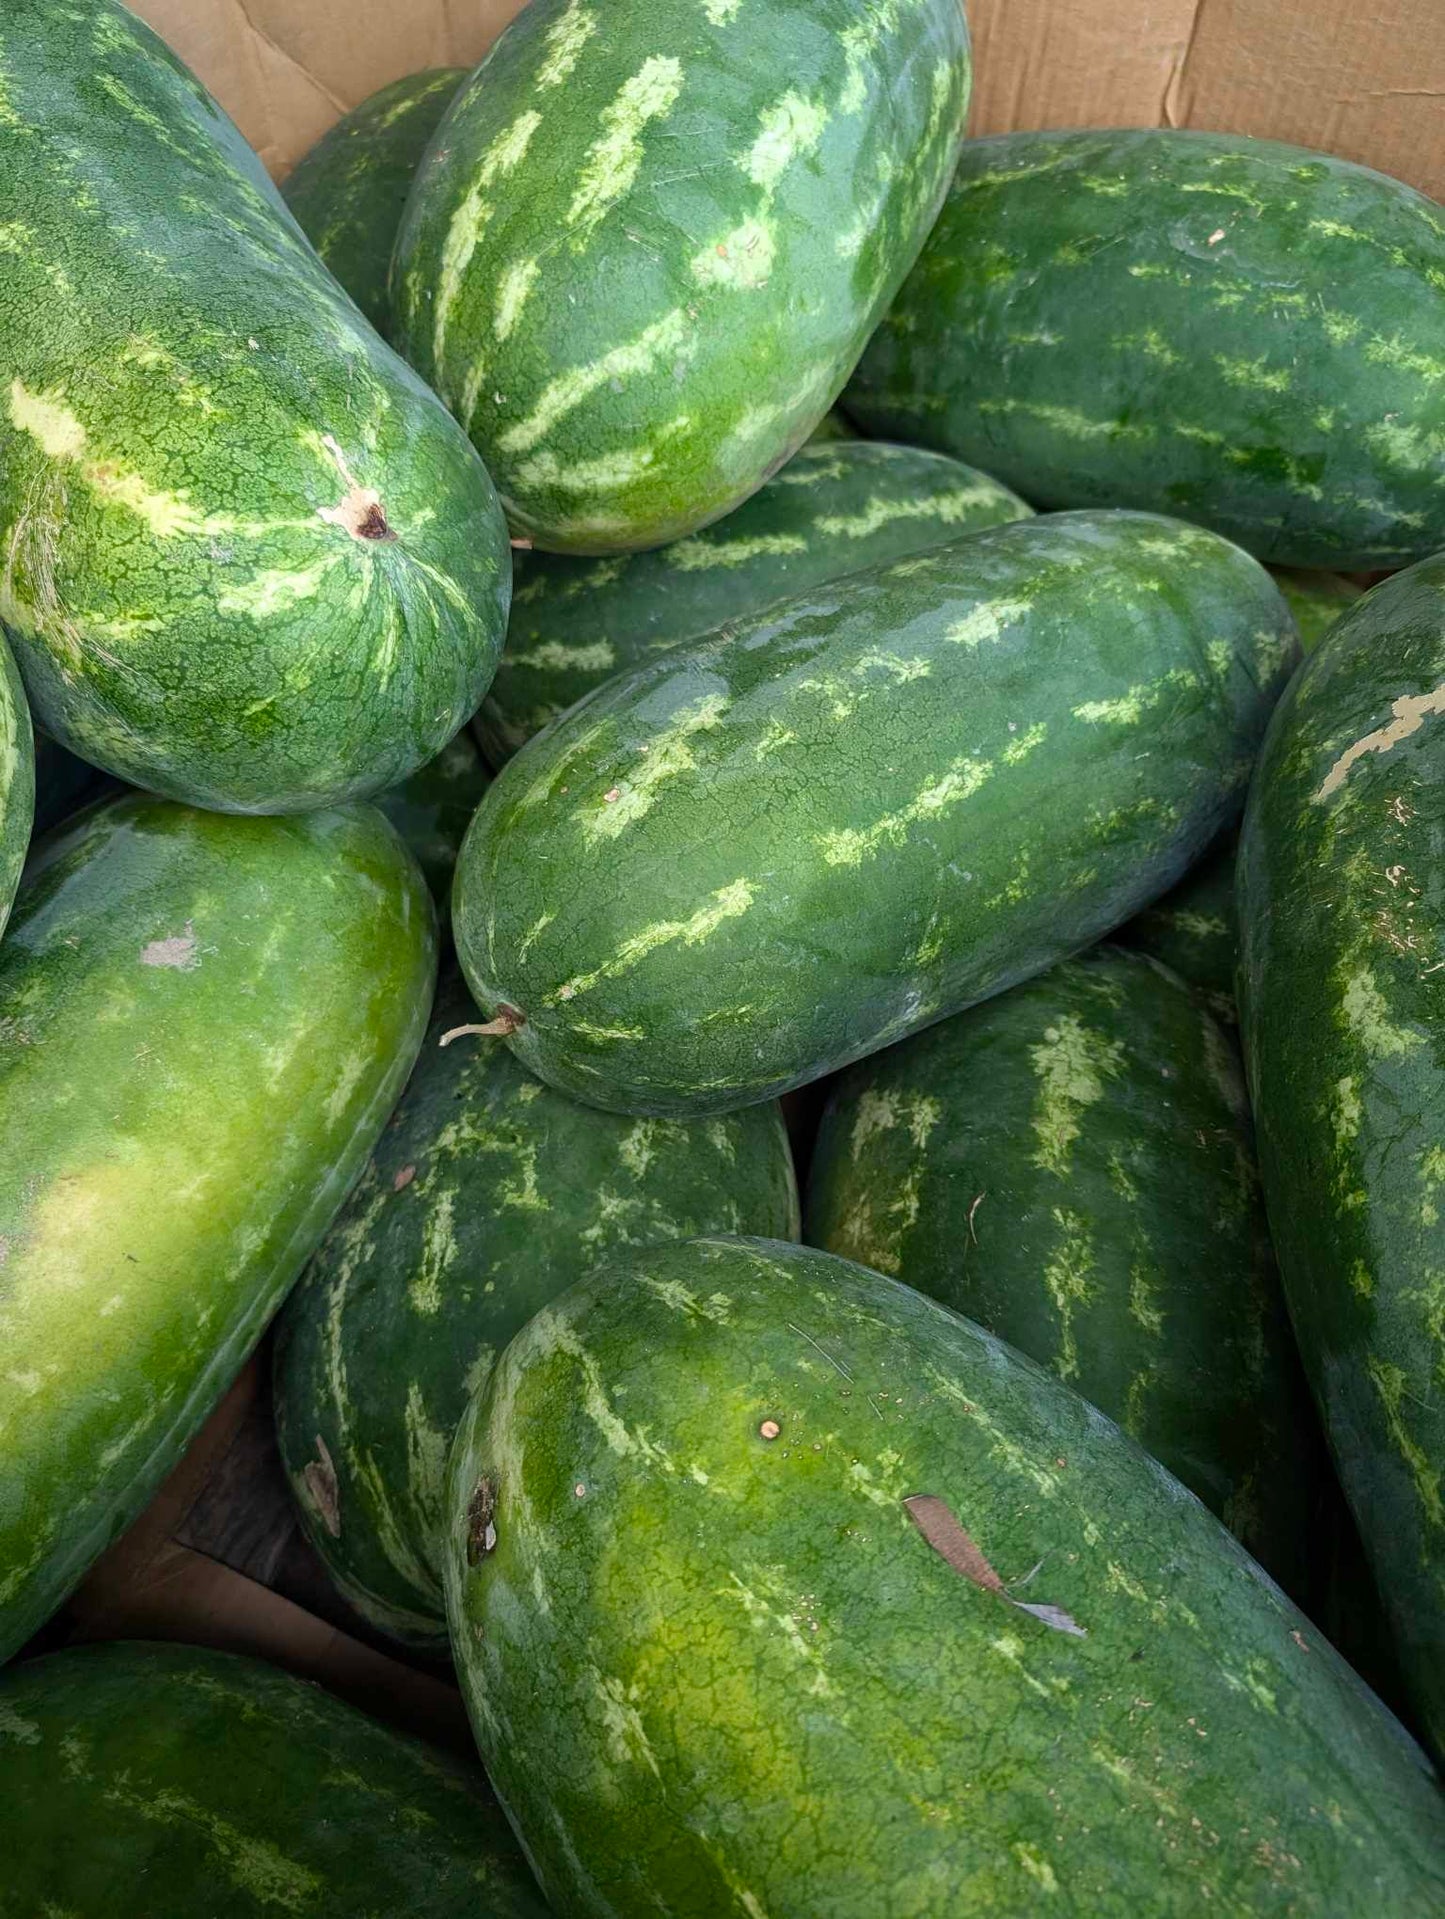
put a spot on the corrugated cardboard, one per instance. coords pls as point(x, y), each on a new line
point(1364, 82)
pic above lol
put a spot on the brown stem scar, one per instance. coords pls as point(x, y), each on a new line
point(939, 1524)
point(509, 1020)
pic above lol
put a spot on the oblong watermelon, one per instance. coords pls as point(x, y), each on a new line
point(433, 807)
point(17, 780)
point(1243, 333)
point(147, 1781)
point(248, 559)
point(204, 1023)
point(764, 854)
point(838, 506)
point(775, 1587)
point(487, 1195)
point(647, 245)
point(348, 192)
point(1194, 929)
point(1342, 929)
point(1071, 1166)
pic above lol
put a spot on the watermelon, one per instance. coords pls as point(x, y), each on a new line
point(776, 1587)
point(800, 839)
point(248, 560)
point(487, 1196)
point(146, 1781)
point(17, 780)
point(1316, 600)
point(1243, 333)
point(835, 508)
point(1193, 929)
point(204, 1023)
point(433, 807)
point(1342, 958)
point(348, 192)
point(647, 245)
point(1071, 1166)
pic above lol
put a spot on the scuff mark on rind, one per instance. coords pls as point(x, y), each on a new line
point(319, 1478)
point(939, 1524)
point(179, 951)
point(1408, 714)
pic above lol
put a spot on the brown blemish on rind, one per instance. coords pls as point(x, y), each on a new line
point(319, 1479)
point(360, 510)
point(481, 1511)
point(403, 1179)
point(1408, 714)
point(179, 951)
point(938, 1523)
point(508, 1020)
point(769, 1429)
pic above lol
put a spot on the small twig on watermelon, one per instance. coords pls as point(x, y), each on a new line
point(509, 1020)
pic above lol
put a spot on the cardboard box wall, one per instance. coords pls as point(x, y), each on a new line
point(1366, 81)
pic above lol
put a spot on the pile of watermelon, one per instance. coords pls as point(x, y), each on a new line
point(704, 970)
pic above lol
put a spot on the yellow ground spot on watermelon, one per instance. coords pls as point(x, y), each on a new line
point(1257, 375)
point(1071, 1064)
point(701, 556)
point(1392, 1384)
point(515, 284)
point(1035, 1865)
point(849, 846)
point(426, 1457)
point(669, 755)
point(1366, 1017)
point(564, 41)
point(612, 161)
point(1067, 1273)
point(471, 219)
point(438, 1251)
point(727, 903)
point(987, 622)
point(254, 1865)
point(788, 129)
point(666, 338)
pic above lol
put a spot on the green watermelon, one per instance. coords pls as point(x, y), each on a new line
point(795, 841)
point(647, 245)
point(163, 1782)
point(1071, 1166)
point(1316, 600)
point(247, 559)
point(348, 192)
point(487, 1196)
point(433, 807)
point(1243, 333)
point(777, 1588)
point(17, 780)
point(1193, 929)
point(204, 1023)
point(835, 508)
point(1342, 926)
